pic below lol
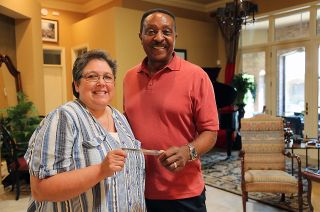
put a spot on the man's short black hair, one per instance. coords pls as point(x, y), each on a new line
point(155, 10)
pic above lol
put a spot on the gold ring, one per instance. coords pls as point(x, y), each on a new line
point(175, 165)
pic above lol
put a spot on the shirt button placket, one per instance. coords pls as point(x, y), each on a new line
point(150, 84)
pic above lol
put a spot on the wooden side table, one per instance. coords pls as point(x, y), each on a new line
point(313, 190)
point(292, 146)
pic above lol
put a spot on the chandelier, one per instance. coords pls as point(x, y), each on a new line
point(236, 13)
point(230, 19)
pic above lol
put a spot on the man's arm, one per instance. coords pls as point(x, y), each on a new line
point(175, 158)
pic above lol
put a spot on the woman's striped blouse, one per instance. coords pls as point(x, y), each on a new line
point(71, 138)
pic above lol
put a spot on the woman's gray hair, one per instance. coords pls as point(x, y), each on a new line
point(82, 61)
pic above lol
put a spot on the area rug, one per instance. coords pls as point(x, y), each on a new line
point(226, 175)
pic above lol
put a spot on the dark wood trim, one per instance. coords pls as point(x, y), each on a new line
point(13, 71)
point(310, 177)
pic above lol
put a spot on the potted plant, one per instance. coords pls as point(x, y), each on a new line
point(20, 120)
point(243, 84)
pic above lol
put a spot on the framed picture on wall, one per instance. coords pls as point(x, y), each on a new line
point(49, 30)
point(181, 53)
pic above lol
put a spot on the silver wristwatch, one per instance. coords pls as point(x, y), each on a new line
point(193, 152)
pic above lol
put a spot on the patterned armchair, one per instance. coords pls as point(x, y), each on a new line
point(263, 159)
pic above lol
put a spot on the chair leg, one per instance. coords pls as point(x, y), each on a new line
point(300, 200)
point(229, 142)
point(12, 186)
point(17, 182)
point(12, 179)
point(283, 197)
point(244, 200)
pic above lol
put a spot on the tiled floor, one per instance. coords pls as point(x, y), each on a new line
point(217, 200)
point(222, 201)
point(9, 204)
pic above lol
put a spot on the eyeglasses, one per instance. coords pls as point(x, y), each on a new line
point(93, 77)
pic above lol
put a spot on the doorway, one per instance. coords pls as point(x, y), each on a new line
point(290, 88)
point(54, 72)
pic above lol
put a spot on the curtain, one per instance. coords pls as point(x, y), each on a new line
point(231, 34)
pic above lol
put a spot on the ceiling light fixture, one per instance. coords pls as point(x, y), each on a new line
point(236, 13)
point(44, 11)
point(230, 19)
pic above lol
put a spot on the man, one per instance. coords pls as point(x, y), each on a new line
point(170, 105)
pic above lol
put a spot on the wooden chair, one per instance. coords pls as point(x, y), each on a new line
point(263, 159)
point(16, 164)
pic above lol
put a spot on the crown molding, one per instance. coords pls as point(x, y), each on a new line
point(11, 13)
point(94, 4)
point(74, 7)
point(191, 5)
point(180, 3)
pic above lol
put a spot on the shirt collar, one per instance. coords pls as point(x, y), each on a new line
point(173, 65)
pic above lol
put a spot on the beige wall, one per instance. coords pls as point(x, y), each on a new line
point(65, 20)
point(179, 12)
point(28, 46)
point(7, 38)
point(197, 37)
point(8, 48)
point(98, 31)
point(114, 3)
point(116, 30)
point(200, 40)
point(129, 51)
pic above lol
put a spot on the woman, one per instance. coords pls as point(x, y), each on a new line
point(75, 157)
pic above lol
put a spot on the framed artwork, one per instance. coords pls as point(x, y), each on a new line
point(181, 53)
point(49, 30)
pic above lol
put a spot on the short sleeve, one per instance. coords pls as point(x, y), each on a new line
point(50, 147)
point(205, 108)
